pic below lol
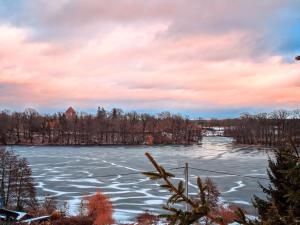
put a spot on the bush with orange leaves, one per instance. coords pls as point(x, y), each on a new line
point(100, 209)
point(224, 214)
point(147, 219)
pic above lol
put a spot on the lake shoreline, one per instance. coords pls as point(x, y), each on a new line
point(95, 145)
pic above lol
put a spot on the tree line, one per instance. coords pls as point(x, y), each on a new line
point(103, 128)
point(266, 128)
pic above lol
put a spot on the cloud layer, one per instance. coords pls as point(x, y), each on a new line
point(200, 55)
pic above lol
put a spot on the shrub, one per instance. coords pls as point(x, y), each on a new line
point(100, 209)
point(75, 220)
point(147, 219)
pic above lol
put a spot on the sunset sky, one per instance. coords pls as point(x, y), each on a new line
point(208, 58)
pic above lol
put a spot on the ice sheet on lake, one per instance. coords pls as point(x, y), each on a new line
point(71, 172)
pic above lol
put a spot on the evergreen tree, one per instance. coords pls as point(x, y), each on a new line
point(282, 203)
point(204, 208)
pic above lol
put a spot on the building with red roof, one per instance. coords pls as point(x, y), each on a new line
point(70, 113)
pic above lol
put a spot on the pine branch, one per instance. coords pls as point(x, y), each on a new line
point(165, 176)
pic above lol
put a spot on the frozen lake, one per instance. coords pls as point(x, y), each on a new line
point(68, 173)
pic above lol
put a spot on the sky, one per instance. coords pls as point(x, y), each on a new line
point(201, 58)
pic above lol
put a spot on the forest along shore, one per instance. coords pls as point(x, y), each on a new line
point(115, 127)
point(104, 128)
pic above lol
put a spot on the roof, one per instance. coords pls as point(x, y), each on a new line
point(20, 216)
point(12, 214)
point(70, 110)
point(40, 219)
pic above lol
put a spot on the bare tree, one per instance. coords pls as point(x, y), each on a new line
point(272, 128)
point(16, 187)
point(114, 127)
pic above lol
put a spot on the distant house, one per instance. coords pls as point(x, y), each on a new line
point(70, 113)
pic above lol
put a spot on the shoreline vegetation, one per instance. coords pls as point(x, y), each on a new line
point(105, 128)
point(116, 128)
point(270, 129)
point(266, 129)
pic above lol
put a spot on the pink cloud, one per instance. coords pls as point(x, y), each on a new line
point(137, 66)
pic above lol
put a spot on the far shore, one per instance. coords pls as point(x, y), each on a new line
point(92, 145)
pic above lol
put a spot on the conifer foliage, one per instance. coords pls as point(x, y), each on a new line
point(199, 208)
point(282, 204)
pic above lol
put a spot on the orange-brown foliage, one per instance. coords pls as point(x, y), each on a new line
point(149, 140)
point(147, 219)
point(226, 213)
point(74, 220)
point(56, 215)
point(100, 209)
